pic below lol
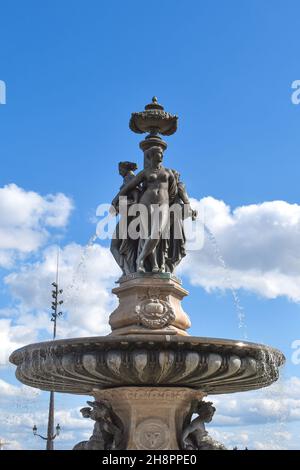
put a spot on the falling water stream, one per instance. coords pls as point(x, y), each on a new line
point(72, 290)
point(219, 257)
point(268, 360)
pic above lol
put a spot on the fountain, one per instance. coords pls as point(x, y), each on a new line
point(148, 377)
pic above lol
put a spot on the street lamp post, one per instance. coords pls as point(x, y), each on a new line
point(49, 438)
point(55, 307)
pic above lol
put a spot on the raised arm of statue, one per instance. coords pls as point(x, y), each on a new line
point(132, 184)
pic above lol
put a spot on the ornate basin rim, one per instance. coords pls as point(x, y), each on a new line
point(164, 341)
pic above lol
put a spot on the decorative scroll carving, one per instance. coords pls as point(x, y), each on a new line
point(155, 311)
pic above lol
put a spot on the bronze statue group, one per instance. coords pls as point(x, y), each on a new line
point(154, 237)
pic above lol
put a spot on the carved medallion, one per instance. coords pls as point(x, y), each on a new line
point(155, 311)
point(152, 434)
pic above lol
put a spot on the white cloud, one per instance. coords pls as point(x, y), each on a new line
point(11, 444)
point(72, 419)
point(8, 390)
point(86, 274)
point(263, 419)
point(25, 217)
point(28, 407)
point(13, 337)
point(259, 244)
point(69, 420)
point(278, 403)
point(254, 438)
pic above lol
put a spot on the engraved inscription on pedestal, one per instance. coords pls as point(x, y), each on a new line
point(151, 434)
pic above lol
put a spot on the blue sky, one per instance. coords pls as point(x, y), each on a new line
point(74, 72)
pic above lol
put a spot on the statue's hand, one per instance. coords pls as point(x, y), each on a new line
point(190, 212)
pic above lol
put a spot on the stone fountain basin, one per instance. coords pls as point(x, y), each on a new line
point(211, 365)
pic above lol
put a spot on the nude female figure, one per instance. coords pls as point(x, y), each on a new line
point(158, 192)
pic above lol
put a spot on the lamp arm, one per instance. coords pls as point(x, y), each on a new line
point(42, 437)
point(46, 438)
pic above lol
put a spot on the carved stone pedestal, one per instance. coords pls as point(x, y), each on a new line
point(153, 417)
point(149, 303)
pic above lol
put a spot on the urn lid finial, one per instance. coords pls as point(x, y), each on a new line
point(154, 105)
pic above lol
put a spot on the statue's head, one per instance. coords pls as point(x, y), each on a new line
point(100, 409)
point(205, 410)
point(86, 412)
point(154, 155)
point(126, 167)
